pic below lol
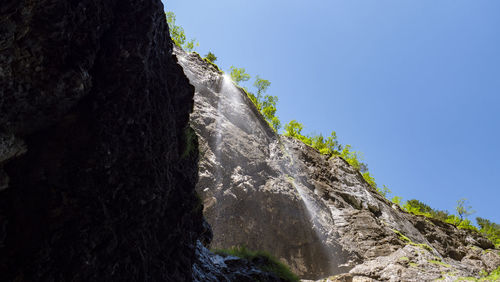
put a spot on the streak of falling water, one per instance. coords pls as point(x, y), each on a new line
point(320, 220)
point(229, 106)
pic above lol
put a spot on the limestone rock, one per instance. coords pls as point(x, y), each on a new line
point(316, 214)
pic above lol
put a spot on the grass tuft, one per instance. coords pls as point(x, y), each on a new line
point(263, 260)
point(410, 242)
point(493, 276)
point(439, 263)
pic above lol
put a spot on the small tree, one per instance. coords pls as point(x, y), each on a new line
point(352, 157)
point(190, 45)
point(441, 215)
point(275, 123)
point(318, 143)
point(261, 85)
point(268, 110)
point(490, 229)
point(384, 191)
point(463, 211)
point(397, 200)
point(417, 207)
point(211, 57)
point(371, 180)
point(333, 144)
point(177, 34)
point(293, 129)
point(238, 74)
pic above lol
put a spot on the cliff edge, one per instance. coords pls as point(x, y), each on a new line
point(97, 169)
point(316, 213)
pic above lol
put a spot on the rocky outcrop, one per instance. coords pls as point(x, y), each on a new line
point(99, 166)
point(315, 213)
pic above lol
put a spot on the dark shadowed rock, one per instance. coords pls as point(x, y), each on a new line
point(104, 191)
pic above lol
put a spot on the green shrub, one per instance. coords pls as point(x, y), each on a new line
point(418, 208)
point(397, 200)
point(438, 262)
point(211, 57)
point(467, 224)
point(330, 146)
point(270, 264)
point(408, 241)
point(266, 104)
point(238, 74)
point(177, 34)
point(294, 129)
point(463, 211)
point(493, 276)
point(489, 229)
point(213, 64)
point(190, 141)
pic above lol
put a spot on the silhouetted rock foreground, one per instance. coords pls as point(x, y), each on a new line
point(98, 167)
point(97, 163)
point(316, 214)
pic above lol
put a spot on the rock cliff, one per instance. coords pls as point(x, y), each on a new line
point(98, 164)
point(318, 215)
point(93, 118)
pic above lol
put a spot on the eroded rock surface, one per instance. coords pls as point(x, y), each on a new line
point(316, 214)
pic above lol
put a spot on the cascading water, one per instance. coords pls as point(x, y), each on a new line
point(272, 193)
point(228, 103)
point(319, 219)
point(248, 198)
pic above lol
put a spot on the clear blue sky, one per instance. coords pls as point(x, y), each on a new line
point(413, 84)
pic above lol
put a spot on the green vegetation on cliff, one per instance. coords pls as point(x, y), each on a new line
point(492, 276)
point(266, 104)
point(238, 74)
point(330, 146)
point(410, 242)
point(489, 229)
point(263, 260)
point(211, 57)
point(177, 34)
point(419, 208)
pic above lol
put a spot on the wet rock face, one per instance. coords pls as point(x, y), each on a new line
point(98, 166)
point(248, 197)
point(316, 214)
